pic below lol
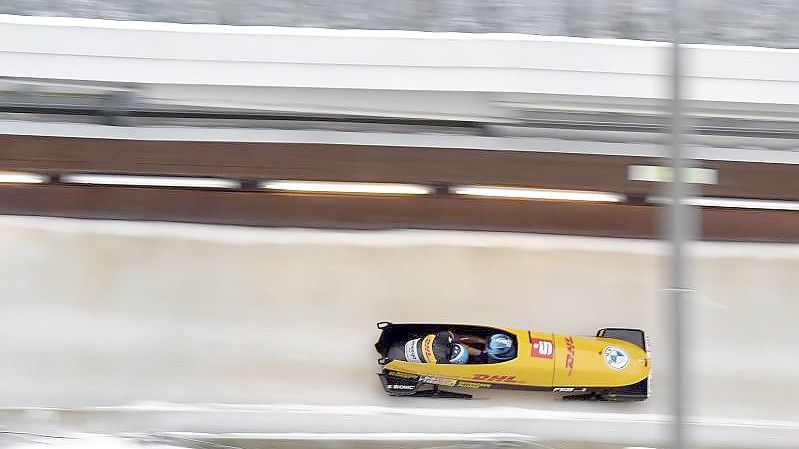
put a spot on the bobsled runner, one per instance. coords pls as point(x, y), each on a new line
point(419, 359)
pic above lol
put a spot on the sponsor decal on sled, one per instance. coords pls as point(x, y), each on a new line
point(568, 390)
point(466, 384)
point(496, 378)
point(402, 375)
point(438, 381)
point(569, 355)
point(615, 357)
point(541, 348)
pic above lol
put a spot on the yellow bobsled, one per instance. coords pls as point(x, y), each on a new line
point(614, 365)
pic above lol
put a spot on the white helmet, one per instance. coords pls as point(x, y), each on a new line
point(459, 354)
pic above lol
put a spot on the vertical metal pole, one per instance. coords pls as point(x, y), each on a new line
point(680, 231)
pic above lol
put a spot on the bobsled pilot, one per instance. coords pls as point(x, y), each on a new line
point(498, 347)
point(446, 347)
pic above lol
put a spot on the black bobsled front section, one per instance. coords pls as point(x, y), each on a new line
point(634, 336)
point(636, 392)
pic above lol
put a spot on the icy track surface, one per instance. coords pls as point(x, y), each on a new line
point(78, 441)
point(100, 316)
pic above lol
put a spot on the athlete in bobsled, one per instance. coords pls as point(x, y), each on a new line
point(447, 347)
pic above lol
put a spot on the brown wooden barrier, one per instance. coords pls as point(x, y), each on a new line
point(376, 163)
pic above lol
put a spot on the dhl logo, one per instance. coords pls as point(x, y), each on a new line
point(427, 349)
point(495, 378)
point(569, 355)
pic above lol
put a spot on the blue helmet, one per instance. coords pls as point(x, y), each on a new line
point(500, 347)
point(459, 355)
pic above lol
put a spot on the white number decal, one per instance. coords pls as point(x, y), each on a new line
point(545, 347)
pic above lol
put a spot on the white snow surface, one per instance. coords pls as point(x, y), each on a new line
point(129, 327)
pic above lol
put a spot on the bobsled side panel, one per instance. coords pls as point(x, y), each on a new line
point(598, 362)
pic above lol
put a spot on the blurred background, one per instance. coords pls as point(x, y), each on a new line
point(206, 206)
point(736, 22)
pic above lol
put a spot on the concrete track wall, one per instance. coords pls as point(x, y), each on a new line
point(109, 313)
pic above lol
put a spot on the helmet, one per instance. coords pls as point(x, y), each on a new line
point(500, 347)
point(459, 355)
point(433, 348)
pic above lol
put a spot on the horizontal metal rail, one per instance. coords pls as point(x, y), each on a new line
point(621, 123)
